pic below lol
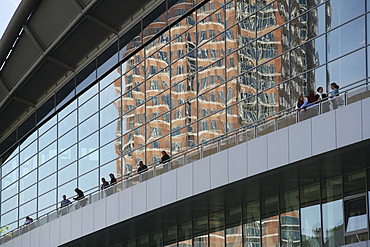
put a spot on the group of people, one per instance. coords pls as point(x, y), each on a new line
point(105, 184)
point(65, 201)
point(311, 98)
point(142, 168)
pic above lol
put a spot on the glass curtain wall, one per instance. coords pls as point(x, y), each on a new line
point(311, 216)
point(190, 72)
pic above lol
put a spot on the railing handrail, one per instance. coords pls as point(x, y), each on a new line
point(200, 146)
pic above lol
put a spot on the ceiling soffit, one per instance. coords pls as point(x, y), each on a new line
point(57, 39)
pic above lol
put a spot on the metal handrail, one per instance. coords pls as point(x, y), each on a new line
point(129, 179)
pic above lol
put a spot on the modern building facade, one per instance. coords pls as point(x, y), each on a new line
point(90, 88)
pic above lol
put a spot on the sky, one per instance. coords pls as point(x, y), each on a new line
point(7, 9)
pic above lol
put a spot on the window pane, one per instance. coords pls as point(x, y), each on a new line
point(355, 213)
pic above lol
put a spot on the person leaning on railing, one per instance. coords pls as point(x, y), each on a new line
point(80, 194)
point(113, 179)
point(320, 94)
point(104, 184)
point(65, 201)
point(142, 167)
point(165, 158)
point(335, 89)
point(28, 220)
point(308, 101)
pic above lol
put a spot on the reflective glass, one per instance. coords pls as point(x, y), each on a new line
point(10, 217)
point(200, 229)
point(216, 229)
point(67, 173)
point(47, 137)
point(28, 166)
point(9, 204)
point(354, 183)
point(68, 109)
point(310, 215)
point(9, 191)
point(10, 165)
point(109, 94)
point(109, 63)
point(212, 101)
point(10, 178)
point(47, 125)
point(346, 38)
point(88, 162)
point(108, 152)
point(266, 18)
point(89, 180)
point(109, 113)
point(183, 138)
point(333, 223)
point(88, 145)
point(89, 126)
point(27, 180)
point(155, 147)
point(28, 194)
point(67, 157)
point(47, 184)
point(270, 222)
point(348, 69)
point(47, 168)
point(67, 189)
point(232, 65)
point(87, 109)
point(112, 167)
point(67, 140)
point(48, 152)
point(178, 8)
point(88, 94)
point(170, 236)
point(234, 232)
point(28, 152)
point(342, 11)
point(355, 215)
point(29, 140)
point(332, 203)
point(109, 133)
point(252, 225)
point(290, 219)
point(67, 123)
point(47, 200)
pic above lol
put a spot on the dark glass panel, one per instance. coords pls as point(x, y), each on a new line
point(107, 59)
point(66, 93)
point(310, 215)
point(170, 235)
point(290, 220)
point(354, 183)
point(252, 224)
point(270, 221)
point(355, 215)
point(86, 77)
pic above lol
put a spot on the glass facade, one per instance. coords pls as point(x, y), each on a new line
point(329, 212)
point(192, 71)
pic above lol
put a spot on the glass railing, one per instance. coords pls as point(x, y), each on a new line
point(275, 122)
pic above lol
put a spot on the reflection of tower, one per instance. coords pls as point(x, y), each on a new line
point(267, 37)
point(143, 124)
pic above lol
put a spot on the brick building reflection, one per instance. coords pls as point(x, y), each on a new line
point(181, 89)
